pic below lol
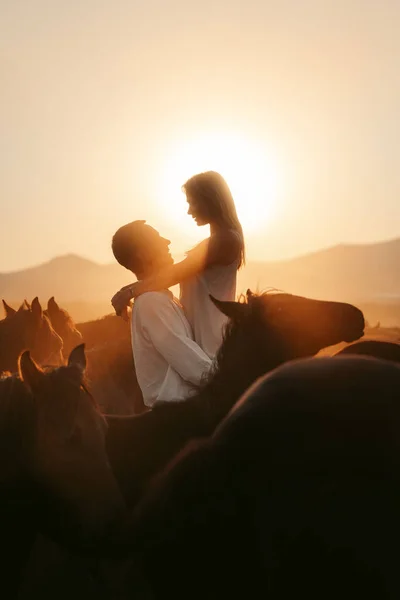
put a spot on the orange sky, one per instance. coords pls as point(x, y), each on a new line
point(100, 98)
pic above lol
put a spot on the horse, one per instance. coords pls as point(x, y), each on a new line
point(296, 494)
point(110, 369)
point(55, 475)
point(264, 331)
point(64, 325)
point(112, 375)
point(109, 328)
point(28, 329)
point(374, 348)
point(9, 311)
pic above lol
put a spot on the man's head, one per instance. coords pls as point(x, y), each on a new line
point(140, 249)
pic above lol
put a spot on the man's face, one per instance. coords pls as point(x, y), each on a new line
point(156, 249)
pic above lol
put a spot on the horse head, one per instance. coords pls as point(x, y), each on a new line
point(69, 463)
point(286, 326)
point(63, 325)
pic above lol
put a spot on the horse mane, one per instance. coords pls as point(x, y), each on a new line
point(68, 320)
point(203, 409)
point(255, 300)
point(84, 384)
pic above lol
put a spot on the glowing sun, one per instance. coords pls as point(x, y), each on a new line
point(248, 169)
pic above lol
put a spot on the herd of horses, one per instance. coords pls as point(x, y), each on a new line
point(278, 476)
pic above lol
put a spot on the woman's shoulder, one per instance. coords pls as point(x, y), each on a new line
point(222, 248)
point(226, 246)
point(230, 236)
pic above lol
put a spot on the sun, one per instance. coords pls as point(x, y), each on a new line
point(247, 167)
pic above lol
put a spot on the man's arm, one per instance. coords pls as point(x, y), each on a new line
point(159, 320)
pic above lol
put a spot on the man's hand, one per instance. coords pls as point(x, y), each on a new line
point(121, 300)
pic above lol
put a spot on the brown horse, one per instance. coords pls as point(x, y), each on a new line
point(10, 311)
point(54, 472)
point(264, 332)
point(28, 329)
point(112, 377)
point(296, 495)
point(64, 325)
point(110, 370)
point(105, 330)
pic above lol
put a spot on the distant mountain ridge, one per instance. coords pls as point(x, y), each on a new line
point(352, 273)
point(344, 272)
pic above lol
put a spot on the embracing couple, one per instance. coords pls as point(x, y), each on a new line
point(175, 341)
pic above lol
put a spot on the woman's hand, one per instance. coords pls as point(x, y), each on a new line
point(125, 313)
point(121, 300)
point(136, 289)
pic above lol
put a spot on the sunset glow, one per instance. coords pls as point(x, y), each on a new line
point(247, 167)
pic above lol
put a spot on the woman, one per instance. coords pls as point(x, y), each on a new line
point(209, 268)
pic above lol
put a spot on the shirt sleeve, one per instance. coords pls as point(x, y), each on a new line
point(160, 322)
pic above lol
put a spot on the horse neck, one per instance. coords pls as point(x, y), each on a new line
point(12, 342)
point(17, 425)
point(18, 523)
point(232, 377)
point(18, 506)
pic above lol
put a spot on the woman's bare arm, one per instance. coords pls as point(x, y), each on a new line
point(221, 249)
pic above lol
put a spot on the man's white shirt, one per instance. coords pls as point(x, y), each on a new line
point(168, 361)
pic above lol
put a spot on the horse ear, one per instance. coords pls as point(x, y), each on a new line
point(22, 307)
point(233, 310)
point(37, 309)
point(52, 305)
point(77, 358)
point(8, 309)
point(29, 371)
point(28, 306)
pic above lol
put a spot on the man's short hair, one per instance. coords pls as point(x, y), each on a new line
point(125, 244)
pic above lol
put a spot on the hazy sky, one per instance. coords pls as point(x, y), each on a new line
point(98, 99)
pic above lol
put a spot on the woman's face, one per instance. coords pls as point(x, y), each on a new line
point(197, 210)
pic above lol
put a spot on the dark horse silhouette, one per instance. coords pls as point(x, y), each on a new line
point(264, 331)
point(54, 471)
point(374, 348)
point(296, 495)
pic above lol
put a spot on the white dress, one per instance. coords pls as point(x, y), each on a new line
point(204, 317)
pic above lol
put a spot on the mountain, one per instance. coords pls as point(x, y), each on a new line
point(69, 278)
point(357, 273)
point(363, 274)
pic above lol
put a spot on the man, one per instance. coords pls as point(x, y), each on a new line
point(168, 362)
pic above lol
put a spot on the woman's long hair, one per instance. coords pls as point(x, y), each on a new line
point(211, 188)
